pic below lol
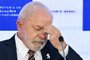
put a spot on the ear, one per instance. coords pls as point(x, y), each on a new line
point(19, 25)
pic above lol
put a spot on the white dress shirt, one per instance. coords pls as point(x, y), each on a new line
point(22, 51)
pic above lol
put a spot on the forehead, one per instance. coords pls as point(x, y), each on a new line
point(40, 22)
point(41, 18)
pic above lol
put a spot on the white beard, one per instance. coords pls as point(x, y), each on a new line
point(42, 45)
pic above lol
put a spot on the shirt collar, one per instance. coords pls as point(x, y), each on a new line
point(21, 47)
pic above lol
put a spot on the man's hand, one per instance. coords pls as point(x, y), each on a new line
point(54, 37)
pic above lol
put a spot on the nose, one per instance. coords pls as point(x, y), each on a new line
point(43, 36)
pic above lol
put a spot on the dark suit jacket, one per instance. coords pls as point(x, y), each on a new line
point(8, 51)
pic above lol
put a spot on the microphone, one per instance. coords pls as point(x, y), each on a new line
point(61, 39)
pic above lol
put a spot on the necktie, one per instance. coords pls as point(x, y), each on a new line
point(31, 55)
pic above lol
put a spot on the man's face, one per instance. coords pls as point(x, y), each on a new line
point(33, 30)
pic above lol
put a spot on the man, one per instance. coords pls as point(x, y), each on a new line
point(36, 33)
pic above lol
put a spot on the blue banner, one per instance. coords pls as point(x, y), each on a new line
point(9, 10)
point(86, 15)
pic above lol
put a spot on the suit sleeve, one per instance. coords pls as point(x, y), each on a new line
point(72, 55)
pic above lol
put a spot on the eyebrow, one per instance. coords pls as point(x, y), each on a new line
point(40, 27)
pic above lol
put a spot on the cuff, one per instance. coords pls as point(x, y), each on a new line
point(65, 51)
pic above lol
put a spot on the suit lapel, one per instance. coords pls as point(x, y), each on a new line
point(50, 53)
point(43, 55)
point(11, 49)
point(46, 52)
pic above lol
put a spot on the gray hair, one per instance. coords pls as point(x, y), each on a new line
point(29, 7)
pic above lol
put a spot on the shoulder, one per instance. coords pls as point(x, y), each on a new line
point(6, 42)
point(3, 43)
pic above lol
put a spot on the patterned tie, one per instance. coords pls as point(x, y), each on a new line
point(31, 55)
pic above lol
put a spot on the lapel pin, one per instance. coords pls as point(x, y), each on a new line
point(48, 56)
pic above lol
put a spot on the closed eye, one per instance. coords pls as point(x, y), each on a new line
point(38, 28)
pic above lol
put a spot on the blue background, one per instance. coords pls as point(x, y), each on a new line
point(9, 22)
point(86, 15)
